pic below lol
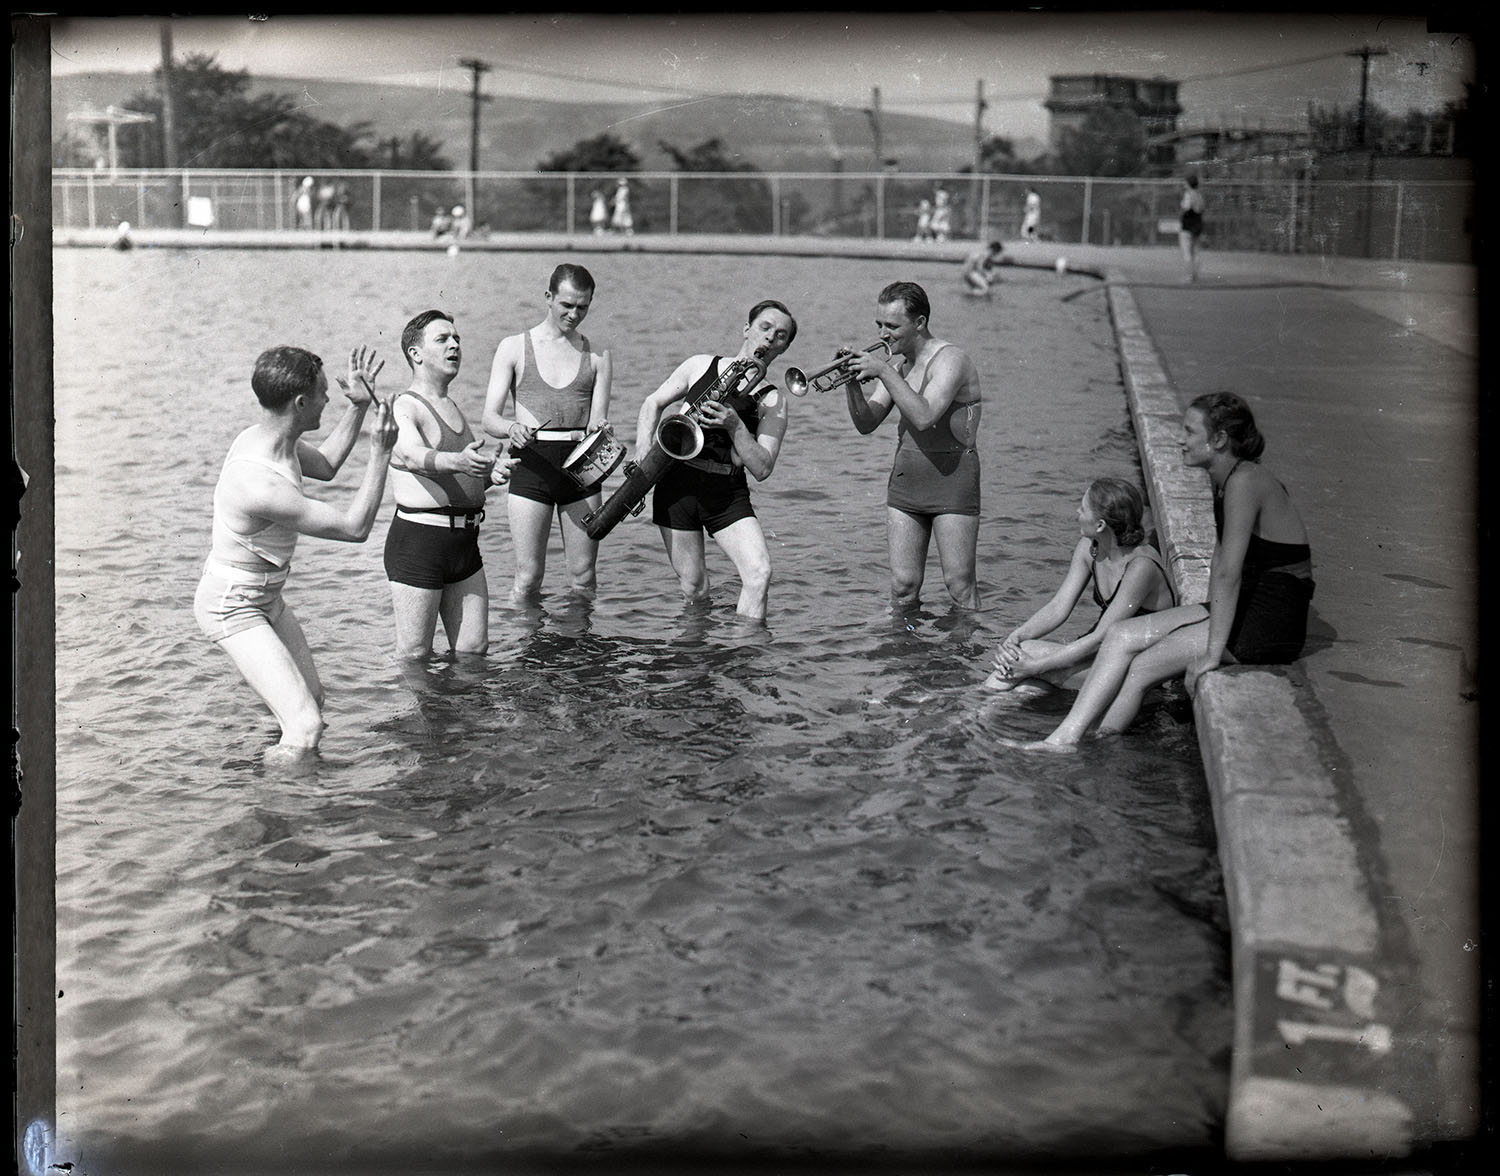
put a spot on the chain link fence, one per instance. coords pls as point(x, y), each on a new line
point(1417, 220)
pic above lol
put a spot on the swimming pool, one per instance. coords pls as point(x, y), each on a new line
point(648, 879)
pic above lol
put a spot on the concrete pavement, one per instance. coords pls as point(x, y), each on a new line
point(1345, 787)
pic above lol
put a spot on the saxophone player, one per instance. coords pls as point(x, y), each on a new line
point(709, 492)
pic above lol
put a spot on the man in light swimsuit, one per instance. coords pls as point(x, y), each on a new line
point(260, 509)
point(557, 388)
point(439, 474)
point(979, 269)
point(934, 484)
point(709, 494)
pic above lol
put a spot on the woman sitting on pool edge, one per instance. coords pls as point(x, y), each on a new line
point(1260, 583)
point(1126, 573)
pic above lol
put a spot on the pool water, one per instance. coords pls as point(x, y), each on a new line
point(647, 879)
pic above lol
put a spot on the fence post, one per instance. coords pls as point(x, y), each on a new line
point(1396, 244)
point(92, 222)
point(1088, 208)
point(775, 206)
point(880, 207)
point(984, 208)
point(1291, 235)
point(672, 204)
point(375, 203)
point(572, 208)
point(140, 201)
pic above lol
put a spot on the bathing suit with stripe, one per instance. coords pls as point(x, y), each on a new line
point(539, 476)
point(426, 556)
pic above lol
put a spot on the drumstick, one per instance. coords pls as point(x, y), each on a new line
point(538, 429)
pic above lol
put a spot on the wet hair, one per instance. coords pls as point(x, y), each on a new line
point(284, 373)
point(910, 295)
point(575, 275)
point(411, 334)
point(1121, 507)
point(772, 304)
point(1192, 181)
point(1226, 413)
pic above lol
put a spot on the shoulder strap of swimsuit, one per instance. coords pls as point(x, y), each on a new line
point(1147, 552)
point(275, 467)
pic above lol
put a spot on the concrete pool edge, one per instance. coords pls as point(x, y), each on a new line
point(1313, 1070)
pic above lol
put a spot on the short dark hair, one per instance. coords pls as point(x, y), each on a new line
point(996, 246)
point(772, 304)
point(411, 334)
point(1227, 413)
point(575, 275)
point(910, 295)
point(1192, 181)
point(284, 373)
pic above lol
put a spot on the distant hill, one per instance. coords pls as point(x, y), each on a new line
point(771, 133)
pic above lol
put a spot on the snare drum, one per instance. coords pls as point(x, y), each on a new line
point(594, 458)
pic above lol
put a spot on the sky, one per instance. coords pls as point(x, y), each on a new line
point(1234, 69)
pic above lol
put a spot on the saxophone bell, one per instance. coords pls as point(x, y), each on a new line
point(679, 435)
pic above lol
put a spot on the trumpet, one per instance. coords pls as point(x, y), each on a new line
point(800, 384)
point(680, 434)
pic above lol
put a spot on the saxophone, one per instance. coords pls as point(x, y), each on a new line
point(678, 437)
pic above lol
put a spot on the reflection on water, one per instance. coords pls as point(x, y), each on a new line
point(646, 876)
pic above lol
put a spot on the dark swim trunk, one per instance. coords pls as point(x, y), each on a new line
point(430, 557)
point(1192, 222)
point(687, 499)
point(1270, 621)
point(923, 483)
point(540, 477)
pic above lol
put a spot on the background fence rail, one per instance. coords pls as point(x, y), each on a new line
point(1417, 220)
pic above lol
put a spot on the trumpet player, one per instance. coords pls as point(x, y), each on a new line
point(933, 491)
point(708, 492)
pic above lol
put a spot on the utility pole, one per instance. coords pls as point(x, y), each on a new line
point(168, 119)
point(980, 215)
point(874, 113)
point(1364, 54)
point(478, 67)
point(979, 107)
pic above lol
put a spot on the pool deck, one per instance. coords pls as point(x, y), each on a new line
point(1345, 787)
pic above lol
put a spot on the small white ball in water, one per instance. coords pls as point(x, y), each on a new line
point(452, 250)
point(1062, 265)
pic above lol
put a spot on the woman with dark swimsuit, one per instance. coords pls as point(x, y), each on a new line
point(1260, 583)
point(1127, 576)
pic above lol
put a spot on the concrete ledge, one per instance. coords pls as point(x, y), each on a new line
point(1313, 1070)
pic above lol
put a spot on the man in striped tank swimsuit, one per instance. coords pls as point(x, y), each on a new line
point(439, 473)
point(555, 387)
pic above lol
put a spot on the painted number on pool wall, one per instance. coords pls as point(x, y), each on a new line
point(1319, 1015)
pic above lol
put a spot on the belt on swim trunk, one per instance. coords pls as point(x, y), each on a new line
point(708, 466)
point(558, 435)
point(454, 518)
point(233, 575)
